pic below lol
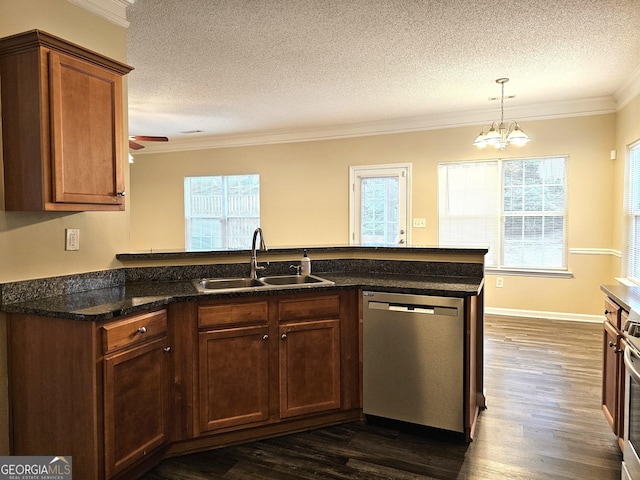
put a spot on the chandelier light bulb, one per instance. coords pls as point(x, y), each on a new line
point(500, 134)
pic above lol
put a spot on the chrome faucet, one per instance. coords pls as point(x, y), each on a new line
point(254, 255)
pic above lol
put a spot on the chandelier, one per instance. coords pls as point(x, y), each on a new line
point(500, 134)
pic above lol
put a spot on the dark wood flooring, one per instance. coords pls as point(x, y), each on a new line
point(543, 421)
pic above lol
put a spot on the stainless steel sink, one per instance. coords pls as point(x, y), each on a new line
point(220, 285)
point(292, 280)
point(227, 283)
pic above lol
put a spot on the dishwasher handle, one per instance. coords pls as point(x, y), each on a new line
point(401, 307)
point(412, 308)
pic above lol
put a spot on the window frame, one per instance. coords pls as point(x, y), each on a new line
point(225, 212)
point(498, 240)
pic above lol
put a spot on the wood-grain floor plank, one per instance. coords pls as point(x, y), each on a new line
point(543, 421)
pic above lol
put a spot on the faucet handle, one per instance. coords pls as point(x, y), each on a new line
point(297, 267)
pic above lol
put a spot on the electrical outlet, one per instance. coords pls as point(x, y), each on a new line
point(419, 223)
point(499, 282)
point(72, 236)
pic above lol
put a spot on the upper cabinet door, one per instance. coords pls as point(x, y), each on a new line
point(63, 137)
point(86, 131)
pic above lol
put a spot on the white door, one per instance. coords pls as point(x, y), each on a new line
point(379, 196)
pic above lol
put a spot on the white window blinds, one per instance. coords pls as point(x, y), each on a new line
point(469, 206)
point(633, 214)
point(515, 207)
point(221, 212)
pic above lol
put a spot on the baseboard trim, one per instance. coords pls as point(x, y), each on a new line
point(572, 317)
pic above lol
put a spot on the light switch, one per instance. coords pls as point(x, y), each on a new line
point(419, 223)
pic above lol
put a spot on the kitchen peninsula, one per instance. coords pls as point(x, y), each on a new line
point(138, 365)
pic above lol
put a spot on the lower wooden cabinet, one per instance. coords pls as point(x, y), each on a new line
point(120, 395)
point(262, 362)
point(234, 376)
point(136, 403)
point(96, 392)
point(610, 375)
point(613, 369)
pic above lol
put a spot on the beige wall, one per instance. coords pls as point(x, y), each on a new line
point(305, 196)
point(32, 244)
point(627, 132)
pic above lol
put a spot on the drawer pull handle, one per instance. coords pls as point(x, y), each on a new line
point(284, 336)
point(142, 330)
point(167, 349)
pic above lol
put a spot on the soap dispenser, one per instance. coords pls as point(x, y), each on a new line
point(305, 263)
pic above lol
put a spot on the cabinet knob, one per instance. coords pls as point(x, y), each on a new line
point(265, 337)
point(142, 330)
point(284, 336)
point(167, 349)
point(121, 194)
point(611, 344)
point(607, 312)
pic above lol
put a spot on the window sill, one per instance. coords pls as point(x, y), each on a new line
point(528, 273)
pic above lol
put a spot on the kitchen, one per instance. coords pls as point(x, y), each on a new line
point(156, 198)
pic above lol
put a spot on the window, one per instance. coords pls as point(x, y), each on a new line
point(633, 214)
point(221, 212)
point(515, 207)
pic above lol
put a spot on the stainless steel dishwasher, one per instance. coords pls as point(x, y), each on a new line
point(413, 359)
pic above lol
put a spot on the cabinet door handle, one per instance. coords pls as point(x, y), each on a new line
point(265, 337)
point(121, 194)
point(284, 336)
point(611, 344)
point(167, 349)
point(142, 330)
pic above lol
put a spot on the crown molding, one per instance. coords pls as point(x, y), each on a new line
point(541, 111)
point(113, 10)
point(630, 90)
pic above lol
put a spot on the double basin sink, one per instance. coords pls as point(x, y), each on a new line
point(224, 285)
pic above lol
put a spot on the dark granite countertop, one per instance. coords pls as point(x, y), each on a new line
point(332, 249)
point(116, 301)
point(626, 297)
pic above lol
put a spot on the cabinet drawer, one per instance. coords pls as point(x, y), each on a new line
point(233, 314)
point(612, 312)
point(133, 330)
point(308, 308)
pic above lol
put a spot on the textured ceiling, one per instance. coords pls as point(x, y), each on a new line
point(287, 69)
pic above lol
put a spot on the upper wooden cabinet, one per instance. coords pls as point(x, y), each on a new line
point(63, 138)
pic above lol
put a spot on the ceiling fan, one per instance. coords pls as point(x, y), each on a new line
point(134, 145)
